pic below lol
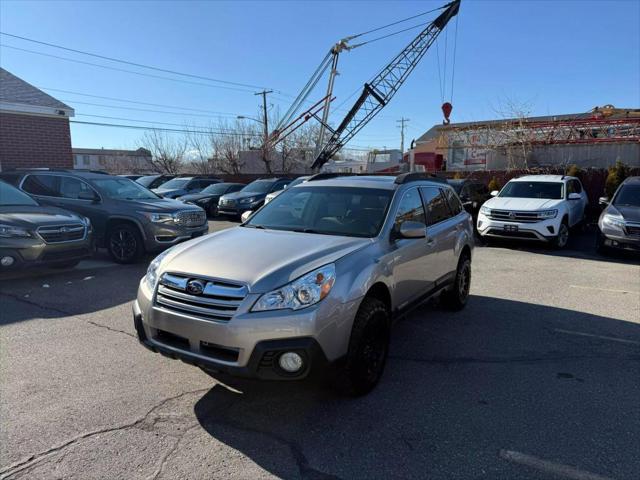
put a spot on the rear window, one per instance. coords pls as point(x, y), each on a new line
point(45, 185)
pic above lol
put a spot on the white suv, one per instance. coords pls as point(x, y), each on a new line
point(534, 207)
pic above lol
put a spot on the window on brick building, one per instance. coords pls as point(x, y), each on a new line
point(85, 160)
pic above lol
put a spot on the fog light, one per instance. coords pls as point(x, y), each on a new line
point(7, 261)
point(290, 362)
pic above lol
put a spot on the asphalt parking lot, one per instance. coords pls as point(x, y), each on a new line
point(537, 378)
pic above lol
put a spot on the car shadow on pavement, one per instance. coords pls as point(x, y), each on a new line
point(581, 245)
point(459, 388)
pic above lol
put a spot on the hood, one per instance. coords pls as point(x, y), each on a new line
point(192, 197)
point(522, 204)
point(159, 205)
point(282, 257)
point(36, 216)
point(629, 213)
point(239, 195)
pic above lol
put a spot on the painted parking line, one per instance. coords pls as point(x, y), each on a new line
point(610, 290)
point(601, 337)
point(551, 468)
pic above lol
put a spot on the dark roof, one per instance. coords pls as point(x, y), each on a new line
point(633, 180)
point(140, 152)
point(15, 90)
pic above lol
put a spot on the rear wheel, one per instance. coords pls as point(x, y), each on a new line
point(561, 240)
point(456, 298)
point(368, 348)
point(124, 243)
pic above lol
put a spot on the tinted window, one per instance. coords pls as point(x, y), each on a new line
point(437, 208)
point(454, 202)
point(410, 209)
point(147, 180)
point(12, 178)
point(217, 189)
point(46, 185)
point(628, 196)
point(123, 189)
point(574, 187)
point(12, 196)
point(71, 187)
point(550, 190)
point(346, 211)
point(235, 188)
point(259, 186)
point(176, 183)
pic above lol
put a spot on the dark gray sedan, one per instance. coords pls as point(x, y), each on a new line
point(619, 223)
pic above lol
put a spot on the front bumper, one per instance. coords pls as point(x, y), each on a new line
point(160, 236)
point(238, 209)
point(543, 230)
point(33, 252)
point(618, 239)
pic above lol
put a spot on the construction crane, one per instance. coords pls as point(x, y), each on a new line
point(375, 95)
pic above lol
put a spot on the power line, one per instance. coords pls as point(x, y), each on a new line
point(122, 107)
point(107, 67)
point(135, 64)
point(138, 102)
point(173, 130)
point(153, 122)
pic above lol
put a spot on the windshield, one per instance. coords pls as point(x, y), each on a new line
point(258, 186)
point(146, 180)
point(297, 181)
point(216, 188)
point(176, 183)
point(12, 196)
point(550, 190)
point(628, 196)
point(347, 211)
point(123, 189)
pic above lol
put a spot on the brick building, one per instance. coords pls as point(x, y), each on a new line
point(34, 126)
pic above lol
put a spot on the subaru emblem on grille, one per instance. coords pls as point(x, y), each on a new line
point(195, 287)
point(512, 214)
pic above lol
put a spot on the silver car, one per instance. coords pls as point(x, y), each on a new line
point(313, 279)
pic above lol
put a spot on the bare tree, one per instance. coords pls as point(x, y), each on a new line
point(200, 151)
point(227, 142)
point(168, 151)
point(517, 144)
point(295, 151)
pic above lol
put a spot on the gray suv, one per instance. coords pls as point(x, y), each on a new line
point(127, 218)
point(314, 278)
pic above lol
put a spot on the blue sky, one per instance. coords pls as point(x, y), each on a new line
point(557, 56)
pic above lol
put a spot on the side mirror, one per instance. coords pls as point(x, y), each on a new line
point(603, 201)
point(494, 193)
point(413, 230)
point(574, 196)
point(85, 195)
point(245, 216)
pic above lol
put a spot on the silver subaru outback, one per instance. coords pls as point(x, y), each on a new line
point(313, 279)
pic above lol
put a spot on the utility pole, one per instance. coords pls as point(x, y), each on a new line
point(402, 122)
point(266, 126)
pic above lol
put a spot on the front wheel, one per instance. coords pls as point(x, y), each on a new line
point(456, 298)
point(124, 243)
point(561, 240)
point(368, 348)
point(213, 210)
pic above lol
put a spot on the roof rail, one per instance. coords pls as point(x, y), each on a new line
point(417, 176)
point(48, 169)
point(328, 175)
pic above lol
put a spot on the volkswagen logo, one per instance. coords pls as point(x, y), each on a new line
point(512, 215)
point(195, 287)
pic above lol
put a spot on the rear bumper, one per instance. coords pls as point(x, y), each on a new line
point(262, 363)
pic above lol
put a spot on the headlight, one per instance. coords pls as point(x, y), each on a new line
point(9, 231)
point(613, 221)
point(160, 217)
point(485, 210)
point(301, 293)
point(151, 278)
point(548, 214)
point(247, 200)
point(87, 222)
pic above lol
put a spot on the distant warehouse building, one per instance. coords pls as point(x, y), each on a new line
point(113, 161)
point(34, 126)
point(595, 139)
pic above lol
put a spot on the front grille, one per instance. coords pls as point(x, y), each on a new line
point(633, 230)
point(191, 218)
point(62, 233)
point(64, 254)
point(513, 216)
point(219, 300)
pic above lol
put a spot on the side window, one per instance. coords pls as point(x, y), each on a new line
point(437, 208)
point(70, 187)
point(45, 185)
point(577, 186)
point(278, 186)
point(454, 202)
point(465, 191)
point(410, 209)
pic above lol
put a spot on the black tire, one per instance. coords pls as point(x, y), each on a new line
point(69, 264)
point(212, 210)
point(601, 248)
point(562, 239)
point(368, 348)
point(124, 243)
point(456, 297)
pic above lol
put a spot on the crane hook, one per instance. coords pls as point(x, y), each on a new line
point(446, 111)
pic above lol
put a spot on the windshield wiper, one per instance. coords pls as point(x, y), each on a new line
point(251, 225)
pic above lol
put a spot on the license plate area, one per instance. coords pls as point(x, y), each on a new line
point(510, 228)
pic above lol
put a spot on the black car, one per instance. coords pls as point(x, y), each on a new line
point(472, 193)
point(619, 223)
point(127, 218)
point(251, 197)
point(209, 197)
point(35, 235)
point(180, 186)
point(154, 181)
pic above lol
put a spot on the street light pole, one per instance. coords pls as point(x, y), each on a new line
point(266, 127)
